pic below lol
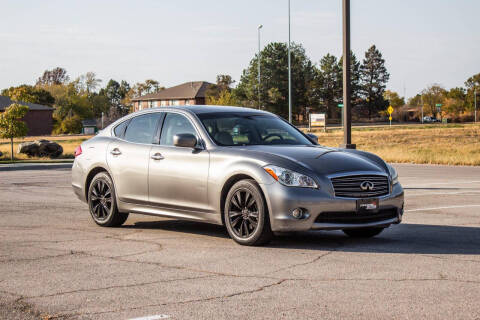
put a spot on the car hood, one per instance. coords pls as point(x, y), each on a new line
point(321, 160)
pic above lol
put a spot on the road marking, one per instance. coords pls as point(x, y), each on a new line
point(154, 317)
point(449, 207)
point(452, 183)
point(440, 193)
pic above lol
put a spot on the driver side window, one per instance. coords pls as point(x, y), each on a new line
point(175, 124)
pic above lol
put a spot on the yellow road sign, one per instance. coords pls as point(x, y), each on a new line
point(390, 110)
point(390, 118)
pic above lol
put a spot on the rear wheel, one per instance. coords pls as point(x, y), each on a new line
point(102, 203)
point(363, 232)
point(245, 214)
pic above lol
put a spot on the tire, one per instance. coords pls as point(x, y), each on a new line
point(102, 202)
point(246, 215)
point(363, 232)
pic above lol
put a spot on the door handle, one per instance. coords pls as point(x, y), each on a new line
point(116, 152)
point(157, 156)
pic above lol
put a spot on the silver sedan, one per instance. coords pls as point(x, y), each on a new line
point(248, 170)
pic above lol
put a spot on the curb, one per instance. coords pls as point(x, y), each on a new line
point(35, 166)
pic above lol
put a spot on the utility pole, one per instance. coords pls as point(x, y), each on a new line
point(289, 71)
point(347, 115)
point(475, 99)
point(421, 101)
point(259, 79)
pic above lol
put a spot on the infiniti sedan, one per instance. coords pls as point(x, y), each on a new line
point(248, 170)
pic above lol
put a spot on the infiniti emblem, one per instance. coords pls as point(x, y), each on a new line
point(366, 186)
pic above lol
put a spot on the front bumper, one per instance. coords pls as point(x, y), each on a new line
point(283, 200)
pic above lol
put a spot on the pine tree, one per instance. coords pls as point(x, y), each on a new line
point(374, 78)
point(330, 84)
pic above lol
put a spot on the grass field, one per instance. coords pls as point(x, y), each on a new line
point(455, 144)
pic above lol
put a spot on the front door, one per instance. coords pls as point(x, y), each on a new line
point(178, 176)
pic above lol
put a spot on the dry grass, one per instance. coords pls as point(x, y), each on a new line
point(69, 143)
point(433, 144)
point(453, 144)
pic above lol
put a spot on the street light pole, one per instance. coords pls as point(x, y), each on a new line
point(289, 71)
point(258, 62)
point(475, 99)
point(347, 115)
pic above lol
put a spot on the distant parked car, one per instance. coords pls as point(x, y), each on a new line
point(429, 119)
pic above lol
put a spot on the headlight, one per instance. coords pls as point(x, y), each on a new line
point(393, 174)
point(290, 178)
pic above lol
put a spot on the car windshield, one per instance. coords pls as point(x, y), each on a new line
point(241, 129)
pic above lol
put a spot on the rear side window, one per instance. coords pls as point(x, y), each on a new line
point(141, 129)
point(120, 129)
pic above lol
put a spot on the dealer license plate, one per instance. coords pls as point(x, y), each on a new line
point(367, 204)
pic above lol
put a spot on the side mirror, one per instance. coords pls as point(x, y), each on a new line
point(312, 137)
point(186, 140)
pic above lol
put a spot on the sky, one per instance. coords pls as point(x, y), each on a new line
point(423, 41)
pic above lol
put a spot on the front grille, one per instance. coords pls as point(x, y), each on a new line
point(352, 217)
point(349, 186)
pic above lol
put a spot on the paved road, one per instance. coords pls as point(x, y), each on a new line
point(55, 262)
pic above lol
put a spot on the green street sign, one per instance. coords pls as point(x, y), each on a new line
point(340, 105)
point(438, 105)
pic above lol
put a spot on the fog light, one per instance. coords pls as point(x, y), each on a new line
point(297, 213)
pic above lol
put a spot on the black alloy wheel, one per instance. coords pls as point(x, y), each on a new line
point(245, 214)
point(102, 203)
point(101, 200)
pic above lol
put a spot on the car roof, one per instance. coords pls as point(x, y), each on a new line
point(202, 109)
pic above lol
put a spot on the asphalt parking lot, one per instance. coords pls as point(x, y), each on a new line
point(55, 262)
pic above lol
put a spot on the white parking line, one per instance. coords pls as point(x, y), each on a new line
point(452, 183)
point(440, 193)
point(154, 317)
point(449, 207)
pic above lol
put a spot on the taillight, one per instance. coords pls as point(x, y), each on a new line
point(78, 151)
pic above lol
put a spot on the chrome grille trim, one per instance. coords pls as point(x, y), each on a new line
point(349, 186)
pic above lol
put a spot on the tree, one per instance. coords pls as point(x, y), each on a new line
point(71, 124)
point(472, 84)
point(69, 103)
point(87, 82)
point(433, 95)
point(329, 84)
point(53, 77)
point(225, 98)
point(213, 92)
point(11, 124)
point(394, 99)
point(355, 79)
point(374, 77)
point(455, 101)
point(26, 93)
point(415, 101)
point(116, 94)
point(274, 79)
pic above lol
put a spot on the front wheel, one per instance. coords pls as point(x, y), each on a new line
point(245, 214)
point(102, 203)
point(363, 232)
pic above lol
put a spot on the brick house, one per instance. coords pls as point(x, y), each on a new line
point(39, 118)
point(189, 93)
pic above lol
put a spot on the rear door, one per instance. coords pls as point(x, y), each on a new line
point(128, 158)
point(178, 176)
